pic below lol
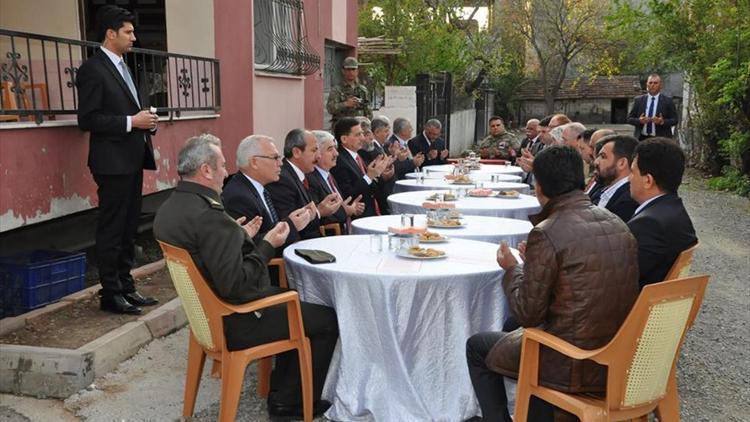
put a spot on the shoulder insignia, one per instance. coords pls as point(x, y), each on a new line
point(212, 202)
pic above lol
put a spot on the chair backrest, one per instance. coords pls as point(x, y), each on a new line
point(201, 305)
point(9, 102)
point(644, 351)
point(681, 266)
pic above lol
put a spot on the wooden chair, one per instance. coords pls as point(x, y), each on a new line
point(334, 228)
point(9, 102)
point(641, 359)
point(681, 266)
point(279, 262)
point(204, 312)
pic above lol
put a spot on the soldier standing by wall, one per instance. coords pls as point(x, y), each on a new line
point(350, 98)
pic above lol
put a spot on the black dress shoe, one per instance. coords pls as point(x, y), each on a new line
point(285, 412)
point(118, 304)
point(139, 300)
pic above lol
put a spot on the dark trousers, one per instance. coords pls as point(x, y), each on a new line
point(247, 330)
point(119, 210)
point(489, 386)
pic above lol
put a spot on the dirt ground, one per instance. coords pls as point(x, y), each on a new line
point(64, 328)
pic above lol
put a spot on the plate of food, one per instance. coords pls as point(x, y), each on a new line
point(446, 197)
point(462, 180)
point(416, 252)
point(481, 193)
point(508, 194)
point(432, 237)
point(450, 223)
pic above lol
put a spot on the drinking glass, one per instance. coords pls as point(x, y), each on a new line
point(376, 243)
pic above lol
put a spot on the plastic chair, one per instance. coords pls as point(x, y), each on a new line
point(333, 227)
point(204, 312)
point(641, 359)
point(681, 266)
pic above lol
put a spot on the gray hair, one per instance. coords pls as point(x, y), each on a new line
point(323, 136)
point(379, 123)
point(400, 123)
point(364, 122)
point(294, 139)
point(575, 127)
point(435, 123)
point(248, 147)
point(196, 152)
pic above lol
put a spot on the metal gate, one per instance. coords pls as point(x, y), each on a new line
point(434, 101)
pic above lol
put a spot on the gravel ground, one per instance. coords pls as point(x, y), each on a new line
point(713, 370)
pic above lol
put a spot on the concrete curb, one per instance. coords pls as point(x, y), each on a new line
point(51, 372)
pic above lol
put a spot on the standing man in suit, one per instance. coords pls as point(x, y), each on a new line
point(653, 114)
point(245, 195)
point(352, 175)
point(120, 148)
point(613, 172)
point(661, 225)
point(323, 184)
point(430, 144)
point(290, 192)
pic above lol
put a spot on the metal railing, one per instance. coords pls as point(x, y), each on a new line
point(38, 73)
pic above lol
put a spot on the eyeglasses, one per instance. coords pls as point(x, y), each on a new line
point(271, 157)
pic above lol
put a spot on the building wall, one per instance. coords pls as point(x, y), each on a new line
point(190, 27)
point(592, 111)
point(57, 18)
point(279, 106)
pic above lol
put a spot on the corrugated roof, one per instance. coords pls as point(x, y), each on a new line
point(624, 86)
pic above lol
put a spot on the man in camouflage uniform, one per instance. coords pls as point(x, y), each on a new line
point(499, 143)
point(350, 98)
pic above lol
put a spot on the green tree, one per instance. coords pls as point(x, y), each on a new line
point(710, 41)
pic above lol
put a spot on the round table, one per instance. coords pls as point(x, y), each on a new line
point(484, 168)
point(433, 184)
point(484, 177)
point(403, 325)
point(518, 208)
point(486, 229)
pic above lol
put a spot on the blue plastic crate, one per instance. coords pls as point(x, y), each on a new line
point(33, 279)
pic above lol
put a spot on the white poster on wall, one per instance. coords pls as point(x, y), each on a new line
point(400, 101)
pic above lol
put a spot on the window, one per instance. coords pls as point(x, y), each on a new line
point(281, 44)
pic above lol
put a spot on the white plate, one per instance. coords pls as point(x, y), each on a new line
point(441, 240)
point(445, 226)
point(515, 196)
point(404, 254)
point(491, 195)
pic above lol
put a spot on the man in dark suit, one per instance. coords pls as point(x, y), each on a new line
point(653, 114)
point(352, 175)
point(322, 183)
point(375, 146)
point(245, 195)
point(612, 172)
point(397, 145)
point(119, 150)
point(661, 225)
point(193, 218)
point(430, 144)
point(290, 192)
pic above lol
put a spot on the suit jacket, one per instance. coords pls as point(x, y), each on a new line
point(105, 101)
point(384, 187)
point(289, 194)
point(401, 167)
point(420, 143)
point(665, 107)
point(352, 183)
point(663, 229)
point(241, 199)
point(621, 204)
point(318, 190)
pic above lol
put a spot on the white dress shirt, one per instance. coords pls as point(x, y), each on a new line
point(644, 130)
point(609, 191)
point(646, 202)
point(354, 157)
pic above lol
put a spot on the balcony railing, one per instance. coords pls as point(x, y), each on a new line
point(38, 75)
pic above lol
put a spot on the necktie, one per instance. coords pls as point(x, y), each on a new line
point(361, 164)
point(271, 209)
point(332, 184)
point(129, 81)
point(650, 127)
point(305, 183)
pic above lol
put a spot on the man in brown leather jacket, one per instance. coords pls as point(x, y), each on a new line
point(580, 291)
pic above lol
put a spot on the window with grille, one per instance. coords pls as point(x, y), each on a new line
point(281, 44)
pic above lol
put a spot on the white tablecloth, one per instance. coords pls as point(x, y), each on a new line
point(433, 184)
point(484, 168)
point(484, 177)
point(403, 326)
point(518, 208)
point(486, 229)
